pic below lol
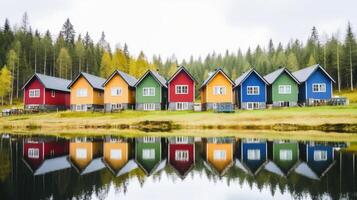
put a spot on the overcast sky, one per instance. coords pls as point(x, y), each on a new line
point(186, 27)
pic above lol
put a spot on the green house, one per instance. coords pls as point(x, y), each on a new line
point(283, 88)
point(284, 157)
point(148, 154)
point(151, 92)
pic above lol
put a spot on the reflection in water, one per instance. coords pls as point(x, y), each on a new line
point(106, 167)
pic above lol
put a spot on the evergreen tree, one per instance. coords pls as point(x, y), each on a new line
point(292, 62)
point(68, 32)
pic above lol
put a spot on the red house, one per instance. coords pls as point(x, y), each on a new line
point(181, 87)
point(181, 154)
point(46, 93)
point(44, 155)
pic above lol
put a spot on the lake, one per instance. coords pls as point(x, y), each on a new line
point(177, 167)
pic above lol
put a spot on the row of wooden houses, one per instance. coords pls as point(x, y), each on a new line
point(281, 88)
point(152, 154)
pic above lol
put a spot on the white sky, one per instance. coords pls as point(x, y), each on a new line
point(186, 27)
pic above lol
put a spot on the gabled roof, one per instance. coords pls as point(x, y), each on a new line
point(305, 170)
point(184, 174)
point(270, 78)
point(303, 74)
point(218, 70)
point(156, 76)
point(158, 167)
point(50, 165)
point(245, 75)
point(95, 81)
point(130, 80)
point(272, 167)
point(51, 82)
point(128, 167)
point(212, 168)
point(94, 165)
point(181, 68)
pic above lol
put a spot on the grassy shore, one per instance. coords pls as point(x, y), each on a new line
point(257, 119)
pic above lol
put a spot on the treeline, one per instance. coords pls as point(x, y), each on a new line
point(24, 51)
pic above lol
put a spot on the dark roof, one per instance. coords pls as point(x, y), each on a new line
point(214, 74)
point(180, 68)
point(270, 78)
point(245, 75)
point(95, 81)
point(303, 74)
point(156, 75)
point(130, 80)
point(51, 82)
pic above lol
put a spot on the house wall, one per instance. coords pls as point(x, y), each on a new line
point(117, 81)
point(148, 165)
point(285, 164)
point(319, 166)
point(60, 99)
point(219, 165)
point(181, 166)
point(81, 163)
point(254, 164)
point(148, 81)
point(93, 97)
point(319, 77)
point(219, 80)
point(284, 79)
point(115, 163)
point(253, 80)
point(33, 162)
point(181, 79)
point(34, 84)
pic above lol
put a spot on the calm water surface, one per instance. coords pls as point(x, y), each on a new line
point(40, 167)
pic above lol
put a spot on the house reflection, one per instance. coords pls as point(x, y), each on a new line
point(181, 154)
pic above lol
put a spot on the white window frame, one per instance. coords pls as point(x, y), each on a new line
point(284, 89)
point(33, 153)
point(81, 107)
point(286, 154)
point(181, 105)
point(34, 93)
point(253, 90)
point(148, 91)
point(179, 89)
point(117, 106)
point(116, 91)
point(82, 92)
point(148, 139)
point(219, 90)
point(53, 93)
point(181, 155)
point(149, 106)
point(284, 103)
point(253, 154)
point(252, 105)
point(116, 154)
point(320, 87)
point(320, 155)
point(219, 155)
point(81, 153)
point(181, 140)
point(148, 154)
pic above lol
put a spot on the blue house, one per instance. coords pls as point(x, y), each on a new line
point(318, 160)
point(251, 90)
point(253, 154)
point(316, 85)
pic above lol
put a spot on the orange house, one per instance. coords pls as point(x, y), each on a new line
point(219, 154)
point(117, 156)
point(85, 155)
point(217, 92)
point(119, 91)
point(87, 92)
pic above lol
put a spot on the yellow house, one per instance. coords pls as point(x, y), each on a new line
point(119, 91)
point(85, 155)
point(217, 92)
point(116, 156)
point(87, 92)
point(219, 154)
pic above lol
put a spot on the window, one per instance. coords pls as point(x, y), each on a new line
point(149, 106)
point(319, 87)
point(148, 139)
point(82, 92)
point(81, 107)
point(219, 90)
point(148, 154)
point(320, 155)
point(219, 155)
point(284, 89)
point(53, 93)
point(181, 106)
point(181, 155)
point(252, 105)
point(115, 154)
point(148, 91)
point(117, 106)
point(181, 140)
point(33, 153)
point(181, 89)
point(81, 153)
point(284, 103)
point(286, 154)
point(253, 154)
point(116, 91)
point(34, 93)
point(252, 90)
